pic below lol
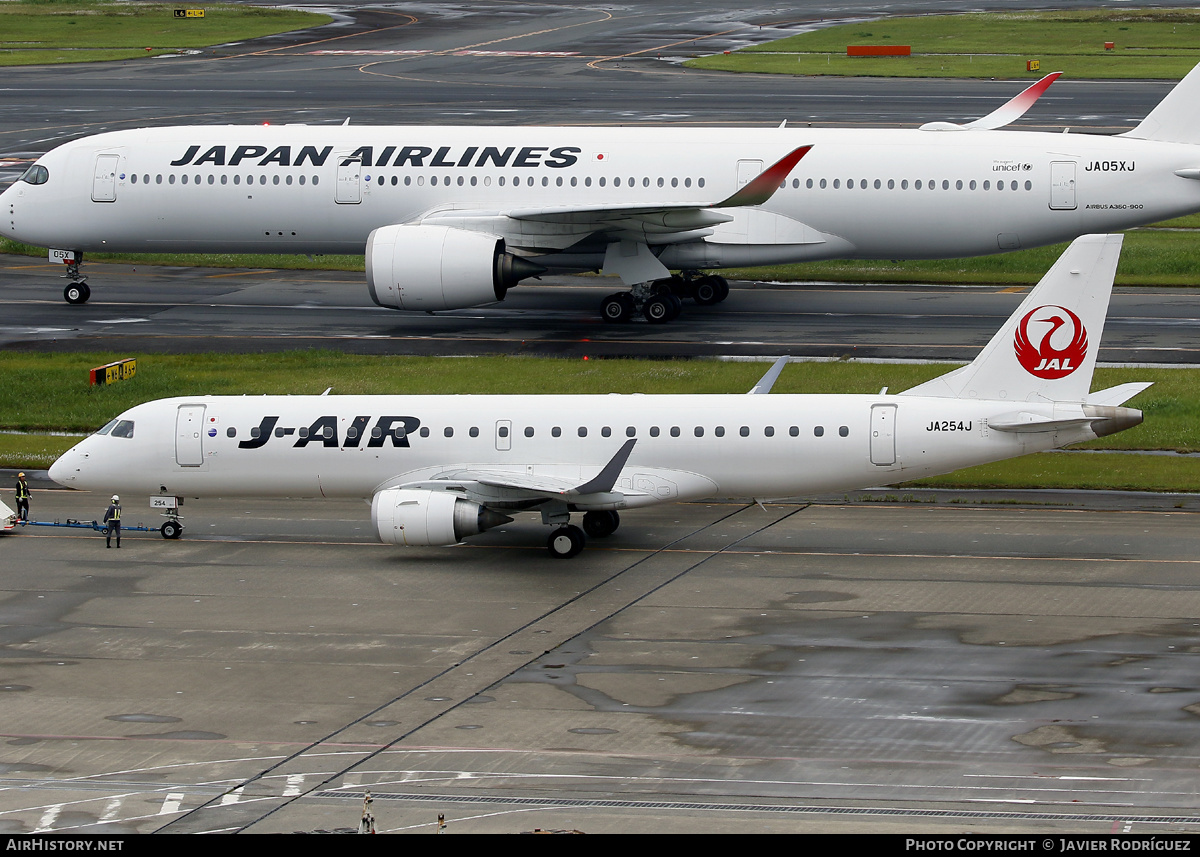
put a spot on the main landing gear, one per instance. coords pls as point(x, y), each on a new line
point(661, 301)
point(76, 292)
point(568, 540)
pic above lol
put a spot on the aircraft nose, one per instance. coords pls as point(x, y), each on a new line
point(65, 470)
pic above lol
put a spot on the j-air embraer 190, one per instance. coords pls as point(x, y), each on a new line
point(439, 469)
point(452, 217)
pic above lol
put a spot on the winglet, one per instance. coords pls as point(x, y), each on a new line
point(767, 381)
point(1009, 112)
point(607, 478)
point(759, 190)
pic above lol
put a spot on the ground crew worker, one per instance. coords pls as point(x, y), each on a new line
point(112, 517)
point(22, 498)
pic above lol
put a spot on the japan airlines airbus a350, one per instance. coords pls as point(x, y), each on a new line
point(439, 469)
point(452, 217)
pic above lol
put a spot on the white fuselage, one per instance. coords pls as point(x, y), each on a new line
point(688, 446)
point(891, 194)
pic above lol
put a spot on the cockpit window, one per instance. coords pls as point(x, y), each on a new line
point(118, 428)
point(37, 174)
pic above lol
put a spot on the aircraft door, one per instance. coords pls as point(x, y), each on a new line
point(1062, 185)
point(503, 434)
point(189, 436)
point(883, 434)
point(748, 171)
point(104, 180)
point(348, 187)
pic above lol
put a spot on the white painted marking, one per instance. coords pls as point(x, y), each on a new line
point(295, 782)
point(46, 822)
point(232, 797)
point(171, 804)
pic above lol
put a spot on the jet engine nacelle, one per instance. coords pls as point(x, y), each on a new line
point(414, 516)
point(424, 267)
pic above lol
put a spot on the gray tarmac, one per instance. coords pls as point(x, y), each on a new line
point(498, 62)
point(939, 662)
point(147, 309)
point(949, 664)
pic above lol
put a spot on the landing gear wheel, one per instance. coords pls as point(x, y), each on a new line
point(659, 309)
point(77, 293)
point(708, 291)
point(722, 288)
point(598, 525)
point(617, 308)
point(676, 307)
point(565, 542)
point(172, 530)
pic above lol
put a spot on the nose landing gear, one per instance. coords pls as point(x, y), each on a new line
point(77, 291)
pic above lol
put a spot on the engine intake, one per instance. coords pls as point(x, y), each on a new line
point(426, 267)
point(414, 516)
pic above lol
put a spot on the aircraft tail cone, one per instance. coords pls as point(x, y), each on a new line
point(1112, 420)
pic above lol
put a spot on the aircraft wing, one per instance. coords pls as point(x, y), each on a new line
point(483, 484)
point(662, 223)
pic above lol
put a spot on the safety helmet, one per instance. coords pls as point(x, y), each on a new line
point(20, 475)
point(116, 499)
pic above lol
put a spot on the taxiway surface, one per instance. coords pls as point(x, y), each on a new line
point(923, 666)
point(149, 309)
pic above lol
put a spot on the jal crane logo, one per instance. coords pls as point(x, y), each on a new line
point(1050, 342)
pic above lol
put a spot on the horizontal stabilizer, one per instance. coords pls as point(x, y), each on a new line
point(1103, 420)
point(1119, 394)
point(1027, 422)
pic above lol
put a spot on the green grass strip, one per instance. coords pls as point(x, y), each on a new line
point(1156, 43)
point(46, 32)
